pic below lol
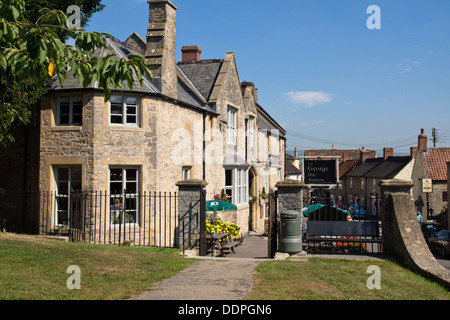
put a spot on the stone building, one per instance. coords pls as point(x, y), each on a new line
point(196, 120)
point(431, 163)
point(360, 178)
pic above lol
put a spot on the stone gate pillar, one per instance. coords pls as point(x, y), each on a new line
point(189, 210)
point(290, 196)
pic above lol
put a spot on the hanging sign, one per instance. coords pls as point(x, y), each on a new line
point(427, 186)
point(320, 172)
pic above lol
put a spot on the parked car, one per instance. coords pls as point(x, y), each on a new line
point(440, 242)
point(358, 212)
point(429, 229)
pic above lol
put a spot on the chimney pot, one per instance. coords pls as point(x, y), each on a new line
point(388, 152)
point(422, 145)
point(191, 53)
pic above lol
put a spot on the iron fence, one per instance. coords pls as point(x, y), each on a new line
point(145, 219)
point(339, 224)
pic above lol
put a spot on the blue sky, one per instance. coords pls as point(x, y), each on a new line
point(321, 72)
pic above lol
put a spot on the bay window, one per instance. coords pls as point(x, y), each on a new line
point(236, 185)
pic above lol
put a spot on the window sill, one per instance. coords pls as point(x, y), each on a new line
point(67, 128)
point(124, 128)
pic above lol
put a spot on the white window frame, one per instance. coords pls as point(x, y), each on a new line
point(125, 196)
point(186, 172)
point(61, 194)
point(72, 99)
point(239, 186)
point(266, 175)
point(231, 126)
point(125, 113)
point(251, 132)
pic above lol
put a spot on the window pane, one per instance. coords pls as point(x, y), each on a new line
point(131, 100)
point(228, 177)
point(131, 174)
point(116, 109)
point(63, 174)
point(77, 111)
point(131, 119)
point(116, 100)
point(116, 119)
point(64, 108)
point(115, 188)
point(64, 119)
point(131, 187)
point(131, 110)
point(75, 179)
point(116, 175)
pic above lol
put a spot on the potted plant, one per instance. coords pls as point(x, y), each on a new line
point(264, 195)
point(222, 196)
point(251, 197)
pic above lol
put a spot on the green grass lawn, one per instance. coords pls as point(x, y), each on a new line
point(332, 279)
point(35, 268)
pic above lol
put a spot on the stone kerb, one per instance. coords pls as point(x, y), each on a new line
point(290, 196)
point(402, 236)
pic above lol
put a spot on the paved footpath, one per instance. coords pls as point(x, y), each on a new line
point(229, 278)
point(206, 280)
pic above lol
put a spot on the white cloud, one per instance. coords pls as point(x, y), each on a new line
point(408, 65)
point(309, 98)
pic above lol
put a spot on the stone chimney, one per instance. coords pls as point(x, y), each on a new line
point(363, 154)
point(160, 51)
point(255, 94)
point(388, 152)
point(191, 54)
point(296, 153)
point(422, 145)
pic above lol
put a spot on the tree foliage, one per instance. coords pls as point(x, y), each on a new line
point(32, 52)
point(88, 8)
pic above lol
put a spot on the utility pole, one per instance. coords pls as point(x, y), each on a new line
point(435, 138)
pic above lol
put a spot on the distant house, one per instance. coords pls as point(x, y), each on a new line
point(344, 154)
point(360, 182)
point(431, 163)
point(293, 169)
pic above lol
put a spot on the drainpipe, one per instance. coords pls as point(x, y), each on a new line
point(204, 146)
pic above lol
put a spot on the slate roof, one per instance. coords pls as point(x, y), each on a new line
point(291, 169)
point(187, 92)
point(436, 161)
point(362, 168)
point(376, 167)
point(389, 167)
point(203, 73)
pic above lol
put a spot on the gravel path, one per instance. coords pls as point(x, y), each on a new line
point(206, 280)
